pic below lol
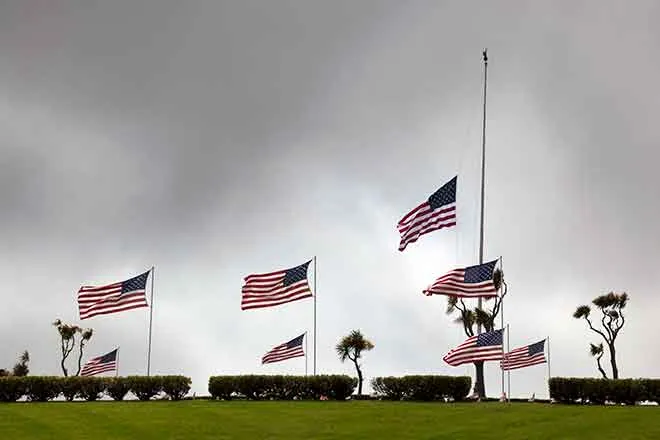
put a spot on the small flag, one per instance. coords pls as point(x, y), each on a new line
point(100, 364)
point(288, 350)
point(275, 288)
point(438, 212)
point(483, 347)
point(469, 282)
point(526, 356)
point(113, 298)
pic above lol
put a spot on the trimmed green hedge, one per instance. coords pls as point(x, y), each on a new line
point(45, 388)
point(262, 387)
point(424, 388)
point(598, 391)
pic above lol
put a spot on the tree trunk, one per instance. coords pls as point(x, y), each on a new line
point(479, 385)
point(63, 367)
point(600, 367)
point(615, 369)
point(359, 373)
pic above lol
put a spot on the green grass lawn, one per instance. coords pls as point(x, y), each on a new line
point(201, 420)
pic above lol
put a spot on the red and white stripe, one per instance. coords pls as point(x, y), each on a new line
point(468, 352)
point(267, 290)
point(92, 367)
point(423, 220)
point(281, 353)
point(520, 358)
point(103, 300)
point(453, 284)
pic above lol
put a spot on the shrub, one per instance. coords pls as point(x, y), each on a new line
point(70, 387)
point(598, 391)
point(117, 387)
point(145, 387)
point(91, 388)
point(424, 388)
point(42, 388)
point(259, 387)
point(11, 388)
point(176, 386)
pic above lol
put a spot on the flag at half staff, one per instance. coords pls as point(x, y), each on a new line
point(469, 282)
point(113, 298)
point(526, 356)
point(275, 288)
point(288, 350)
point(484, 347)
point(438, 212)
point(100, 364)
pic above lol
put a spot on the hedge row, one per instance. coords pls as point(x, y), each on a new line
point(425, 388)
point(598, 391)
point(44, 388)
point(259, 387)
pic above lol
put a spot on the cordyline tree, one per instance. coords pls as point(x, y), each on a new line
point(469, 318)
point(612, 320)
point(68, 333)
point(20, 368)
point(351, 347)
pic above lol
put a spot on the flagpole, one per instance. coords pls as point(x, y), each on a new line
point(508, 373)
point(315, 335)
point(483, 175)
point(305, 353)
point(548, 339)
point(151, 317)
point(502, 324)
point(117, 362)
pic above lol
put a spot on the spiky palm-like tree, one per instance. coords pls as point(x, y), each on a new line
point(351, 347)
point(611, 306)
point(68, 334)
point(485, 317)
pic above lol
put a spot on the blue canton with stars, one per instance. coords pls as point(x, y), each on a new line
point(480, 272)
point(444, 196)
point(137, 283)
point(537, 348)
point(295, 342)
point(110, 357)
point(490, 338)
point(296, 274)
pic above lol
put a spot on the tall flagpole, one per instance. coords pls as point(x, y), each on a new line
point(315, 295)
point(151, 318)
point(508, 373)
point(548, 339)
point(502, 326)
point(305, 353)
point(483, 175)
point(117, 363)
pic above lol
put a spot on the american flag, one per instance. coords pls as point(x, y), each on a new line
point(275, 288)
point(100, 364)
point(438, 212)
point(469, 282)
point(483, 347)
point(288, 350)
point(526, 356)
point(113, 298)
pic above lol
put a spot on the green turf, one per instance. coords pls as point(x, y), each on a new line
point(201, 420)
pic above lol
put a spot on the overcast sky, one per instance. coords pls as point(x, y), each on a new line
point(216, 139)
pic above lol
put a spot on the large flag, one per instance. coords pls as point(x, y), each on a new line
point(288, 350)
point(113, 298)
point(526, 356)
point(438, 212)
point(275, 288)
point(469, 282)
point(100, 364)
point(483, 347)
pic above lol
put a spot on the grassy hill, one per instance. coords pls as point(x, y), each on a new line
point(202, 420)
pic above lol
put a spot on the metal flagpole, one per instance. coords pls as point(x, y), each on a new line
point(315, 335)
point(117, 363)
point(483, 174)
point(151, 318)
point(508, 373)
point(502, 323)
point(305, 353)
point(548, 340)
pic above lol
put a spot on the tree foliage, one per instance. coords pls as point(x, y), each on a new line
point(351, 347)
point(68, 334)
point(485, 317)
point(612, 320)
